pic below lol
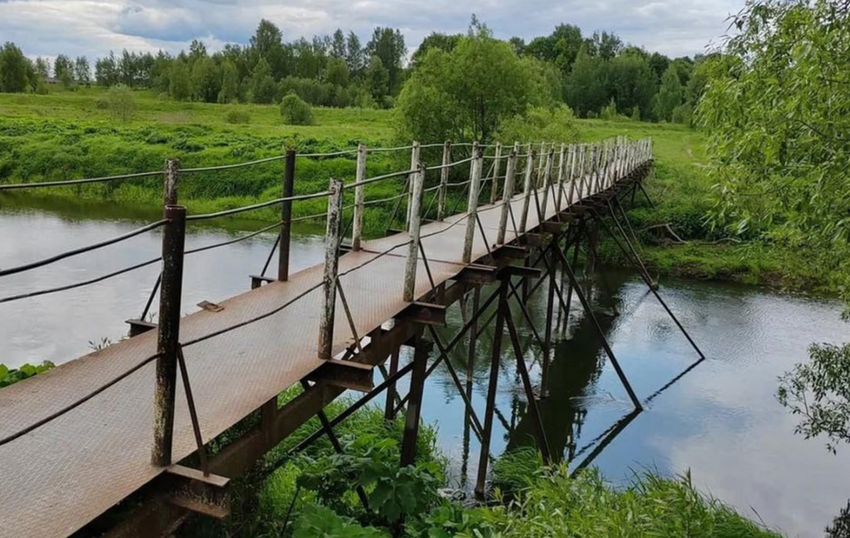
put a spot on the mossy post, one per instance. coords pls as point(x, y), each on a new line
point(414, 163)
point(168, 331)
point(359, 196)
point(286, 216)
point(526, 191)
point(444, 180)
point(472, 202)
point(507, 191)
point(494, 185)
point(415, 222)
point(329, 277)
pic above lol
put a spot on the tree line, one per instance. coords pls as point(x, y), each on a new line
point(596, 75)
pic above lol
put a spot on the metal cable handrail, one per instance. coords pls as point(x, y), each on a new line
point(231, 166)
point(82, 250)
point(243, 209)
point(12, 186)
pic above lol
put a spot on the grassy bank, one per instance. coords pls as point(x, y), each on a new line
point(68, 135)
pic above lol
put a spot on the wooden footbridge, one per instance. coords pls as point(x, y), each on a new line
point(115, 442)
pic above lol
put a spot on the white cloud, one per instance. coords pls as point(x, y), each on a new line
point(93, 27)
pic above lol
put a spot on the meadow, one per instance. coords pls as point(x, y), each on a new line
point(72, 134)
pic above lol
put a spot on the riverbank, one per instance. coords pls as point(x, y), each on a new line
point(69, 135)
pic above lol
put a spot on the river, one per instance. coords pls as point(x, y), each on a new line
point(720, 421)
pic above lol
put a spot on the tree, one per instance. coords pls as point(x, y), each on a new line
point(443, 42)
point(63, 69)
point(388, 45)
point(606, 45)
point(585, 87)
point(560, 48)
point(206, 80)
point(180, 81)
point(14, 69)
point(121, 102)
point(42, 67)
point(266, 44)
point(669, 95)
point(336, 72)
point(631, 83)
point(229, 83)
point(777, 112)
point(354, 54)
point(263, 87)
point(106, 70)
point(377, 78)
point(338, 44)
point(467, 93)
point(82, 71)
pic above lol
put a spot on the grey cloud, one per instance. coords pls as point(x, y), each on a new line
point(93, 27)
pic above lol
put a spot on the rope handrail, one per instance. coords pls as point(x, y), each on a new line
point(82, 250)
point(231, 166)
point(381, 177)
point(329, 154)
point(451, 164)
point(12, 186)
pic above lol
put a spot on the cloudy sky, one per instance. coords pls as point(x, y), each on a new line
point(93, 27)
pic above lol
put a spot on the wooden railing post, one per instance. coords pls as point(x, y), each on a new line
point(526, 191)
point(472, 202)
point(359, 196)
point(286, 216)
point(414, 163)
point(168, 332)
point(573, 156)
point(562, 165)
point(415, 222)
point(329, 278)
point(594, 167)
point(547, 180)
point(494, 185)
point(507, 192)
point(444, 180)
point(542, 152)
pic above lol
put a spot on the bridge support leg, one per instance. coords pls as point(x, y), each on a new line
point(495, 358)
point(592, 234)
point(389, 407)
point(414, 404)
point(473, 339)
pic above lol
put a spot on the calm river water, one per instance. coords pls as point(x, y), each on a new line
point(721, 421)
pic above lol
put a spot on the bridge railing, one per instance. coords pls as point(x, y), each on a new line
point(582, 170)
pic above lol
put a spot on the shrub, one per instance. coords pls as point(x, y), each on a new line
point(237, 115)
point(10, 376)
point(121, 102)
point(295, 111)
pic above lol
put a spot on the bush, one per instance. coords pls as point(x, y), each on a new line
point(295, 111)
point(556, 124)
point(121, 102)
point(237, 115)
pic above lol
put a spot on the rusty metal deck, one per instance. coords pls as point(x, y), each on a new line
point(63, 474)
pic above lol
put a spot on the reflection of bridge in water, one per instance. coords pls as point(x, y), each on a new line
point(120, 425)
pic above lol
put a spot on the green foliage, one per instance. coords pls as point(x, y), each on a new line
point(585, 88)
point(63, 69)
point(206, 80)
point(10, 376)
point(320, 522)
point(819, 392)
point(180, 82)
point(669, 95)
point(465, 94)
point(515, 471)
point(121, 102)
point(556, 124)
point(263, 87)
point(776, 110)
point(294, 111)
point(14, 69)
point(229, 83)
point(237, 115)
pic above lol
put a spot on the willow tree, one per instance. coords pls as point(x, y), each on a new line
point(777, 114)
point(465, 93)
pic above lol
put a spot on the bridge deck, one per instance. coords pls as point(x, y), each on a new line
point(68, 471)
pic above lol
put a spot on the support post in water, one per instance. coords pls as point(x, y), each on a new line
point(494, 185)
point(414, 404)
point(359, 195)
point(507, 191)
point(286, 216)
point(472, 202)
point(444, 180)
point(326, 320)
point(414, 162)
point(526, 191)
point(489, 410)
point(415, 222)
point(168, 332)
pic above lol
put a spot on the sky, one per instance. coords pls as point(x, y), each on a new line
point(94, 27)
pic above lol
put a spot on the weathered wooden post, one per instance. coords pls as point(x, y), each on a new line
point(415, 222)
point(497, 161)
point(507, 192)
point(359, 197)
point(547, 180)
point(414, 162)
point(529, 171)
point(472, 202)
point(329, 277)
point(562, 164)
point(286, 216)
point(444, 180)
point(168, 331)
point(540, 165)
point(572, 175)
point(594, 168)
